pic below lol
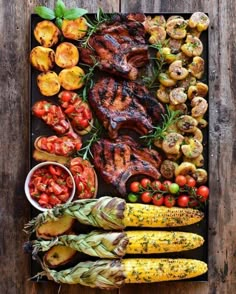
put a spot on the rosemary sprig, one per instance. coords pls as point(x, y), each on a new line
point(95, 135)
point(94, 25)
point(159, 132)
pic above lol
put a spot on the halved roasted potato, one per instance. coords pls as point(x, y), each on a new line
point(48, 83)
point(74, 29)
point(176, 28)
point(58, 255)
point(67, 55)
point(42, 58)
point(47, 33)
point(72, 78)
point(199, 20)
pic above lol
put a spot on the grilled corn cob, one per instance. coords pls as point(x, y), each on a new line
point(107, 274)
point(117, 244)
point(114, 213)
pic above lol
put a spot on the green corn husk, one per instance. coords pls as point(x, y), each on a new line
point(99, 244)
point(103, 274)
point(105, 212)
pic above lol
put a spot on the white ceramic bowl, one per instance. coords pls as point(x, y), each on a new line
point(27, 181)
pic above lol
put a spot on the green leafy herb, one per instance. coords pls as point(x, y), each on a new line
point(93, 26)
point(60, 12)
point(45, 12)
point(95, 135)
point(159, 132)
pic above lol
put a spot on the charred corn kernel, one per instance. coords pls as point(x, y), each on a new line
point(140, 215)
point(164, 269)
point(149, 242)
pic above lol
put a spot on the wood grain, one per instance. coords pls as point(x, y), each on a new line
point(14, 164)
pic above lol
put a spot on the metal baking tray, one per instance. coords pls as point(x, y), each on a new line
point(38, 127)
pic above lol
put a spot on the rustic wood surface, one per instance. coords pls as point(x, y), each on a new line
point(14, 209)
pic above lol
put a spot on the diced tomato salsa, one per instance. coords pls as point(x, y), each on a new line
point(50, 185)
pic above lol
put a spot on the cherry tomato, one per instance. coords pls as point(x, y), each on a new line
point(69, 182)
point(66, 96)
point(145, 182)
point(135, 187)
point(169, 201)
point(183, 200)
point(84, 123)
point(191, 182)
point(44, 197)
point(174, 188)
point(146, 197)
point(57, 190)
point(166, 185)
point(157, 185)
point(158, 199)
point(181, 180)
point(69, 109)
point(132, 197)
point(54, 170)
point(54, 200)
point(203, 192)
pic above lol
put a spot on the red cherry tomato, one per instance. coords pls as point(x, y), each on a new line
point(66, 96)
point(135, 187)
point(158, 199)
point(169, 201)
point(193, 202)
point(84, 123)
point(203, 192)
point(166, 185)
point(181, 180)
point(54, 170)
point(157, 185)
point(146, 197)
point(44, 197)
point(145, 182)
point(183, 200)
point(191, 182)
point(54, 200)
point(69, 109)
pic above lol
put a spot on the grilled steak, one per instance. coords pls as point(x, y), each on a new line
point(124, 104)
point(117, 161)
point(119, 46)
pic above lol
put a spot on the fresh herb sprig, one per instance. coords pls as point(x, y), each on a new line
point(59, 12)
point(95, 135)
point(159, 132)
point(93, 25)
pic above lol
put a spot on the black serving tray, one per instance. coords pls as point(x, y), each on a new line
point(37, 128)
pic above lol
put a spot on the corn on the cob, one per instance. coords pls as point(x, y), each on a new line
point(107, 274)
point(117, 244)
point(114, 213)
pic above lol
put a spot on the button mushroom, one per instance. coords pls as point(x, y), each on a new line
point(177, 71)
point(172, 142)
point(199, 105)
point(177, 96)
point(192, 149)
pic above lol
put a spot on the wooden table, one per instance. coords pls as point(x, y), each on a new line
point(14, 146)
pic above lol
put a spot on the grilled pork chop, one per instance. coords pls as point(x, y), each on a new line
point(119, 46)
point(117, 161)
point(124, 104)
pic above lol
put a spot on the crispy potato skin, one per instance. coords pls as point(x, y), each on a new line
point(67, 55)
point(43, 59)
point(71, 78)
point(47, 33)
point(48, 83)
point(74, 29)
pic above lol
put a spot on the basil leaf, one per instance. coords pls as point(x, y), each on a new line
point(45, 12)
point(59, 8)
point(58, 22)
point(74, 13)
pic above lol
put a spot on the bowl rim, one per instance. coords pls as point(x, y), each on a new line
point(29, 175)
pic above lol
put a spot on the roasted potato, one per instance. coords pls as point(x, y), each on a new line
point(48, 83)
point(167, 169)
point(172, 142)
point(199, 20)
point(47, 33)
point(42, 58)
point(176, 28)
point(177, 96)
point(197, 67)
point(192, 47)
point(71, 78)
point(74, 29)
point(187, 124)
point(192, 148)
point(67, 55)
point(177, 71)
point(166, 80)
point(199, 106)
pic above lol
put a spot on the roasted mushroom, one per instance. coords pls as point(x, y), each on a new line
point(42, 58)
point(48, 83)
point(47, 33)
